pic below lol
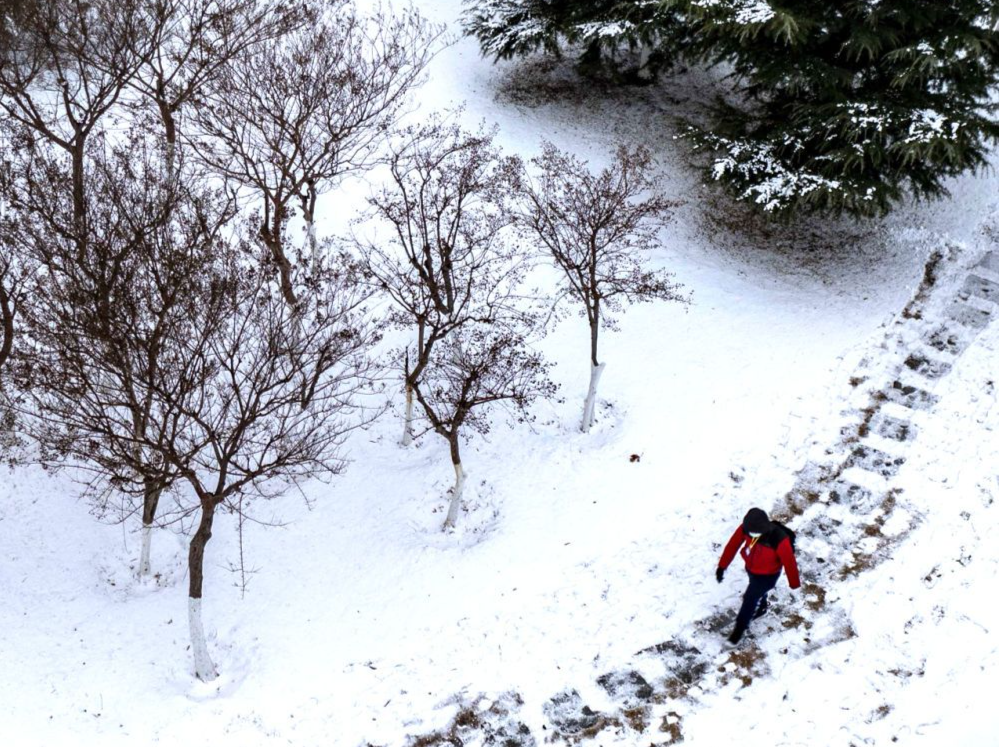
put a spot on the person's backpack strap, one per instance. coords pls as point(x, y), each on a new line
point(786, 530)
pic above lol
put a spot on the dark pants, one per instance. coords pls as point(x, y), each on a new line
point(754, 596)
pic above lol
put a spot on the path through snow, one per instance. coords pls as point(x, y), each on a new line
point(848, 513)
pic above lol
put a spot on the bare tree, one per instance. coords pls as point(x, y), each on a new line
point(289, 118)
point(454, 281)
point(199, 37)
point(446, 205)
point(103, 304)
point(477, 366)
point(598, 229)
point(168, 319)
point(262, 409)
point(68, 68)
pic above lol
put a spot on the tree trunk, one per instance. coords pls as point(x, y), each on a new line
point(170, 135)
point(596, 369)
point(408, 418)
point(7, 312)
point(590, 402)
point(309, 216)
point(456, 492)
point(284, 273)
point(151, 497)
point(145, 567)
point(79, 203)
point(313, 243)
point(272, 239)
point(204, 669)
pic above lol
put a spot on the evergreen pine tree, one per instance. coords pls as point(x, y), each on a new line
point(602, 30)
point(845, 106)
point(849, 104)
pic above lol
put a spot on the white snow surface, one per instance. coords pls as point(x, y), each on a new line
point(365, 624)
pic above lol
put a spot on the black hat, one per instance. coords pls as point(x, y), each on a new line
point(756, 521)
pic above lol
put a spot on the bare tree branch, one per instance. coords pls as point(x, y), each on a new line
point(289, 118)
point(198, 38)
point(68, 68)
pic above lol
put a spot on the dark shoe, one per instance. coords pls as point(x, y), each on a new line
point(735, 636)
point(761, 610)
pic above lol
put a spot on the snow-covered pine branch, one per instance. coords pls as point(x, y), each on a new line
point(603, 33)
point(847, 107)
point(803, 71)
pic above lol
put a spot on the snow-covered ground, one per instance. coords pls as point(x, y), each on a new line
point(364, 624)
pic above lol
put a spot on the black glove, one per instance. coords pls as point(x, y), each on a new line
point(719, 573)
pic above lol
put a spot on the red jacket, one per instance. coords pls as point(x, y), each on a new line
point(768, 554)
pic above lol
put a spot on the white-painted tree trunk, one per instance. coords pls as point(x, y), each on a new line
point(456, 497)
point(147, 542)
point(590, 402)
point(408, 419)
point(204, 669)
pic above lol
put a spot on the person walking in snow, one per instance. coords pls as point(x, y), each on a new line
point(767, 547)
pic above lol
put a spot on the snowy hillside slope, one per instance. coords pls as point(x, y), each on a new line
point(364, 624)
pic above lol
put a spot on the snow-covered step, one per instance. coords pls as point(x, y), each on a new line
point(893, 429)
point(979, 287)
point(874, 483)
point(902, 412)
point(906, 376)
point(924, 362)
point(569, 715)
point(988, 266)
point(851, 494)
point(980, 304)
point(949, 339)
point(628, 688)
point(875, 460)
point(968, 315)
point(908, 394)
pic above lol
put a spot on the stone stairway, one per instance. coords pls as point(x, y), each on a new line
point(844, 511)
